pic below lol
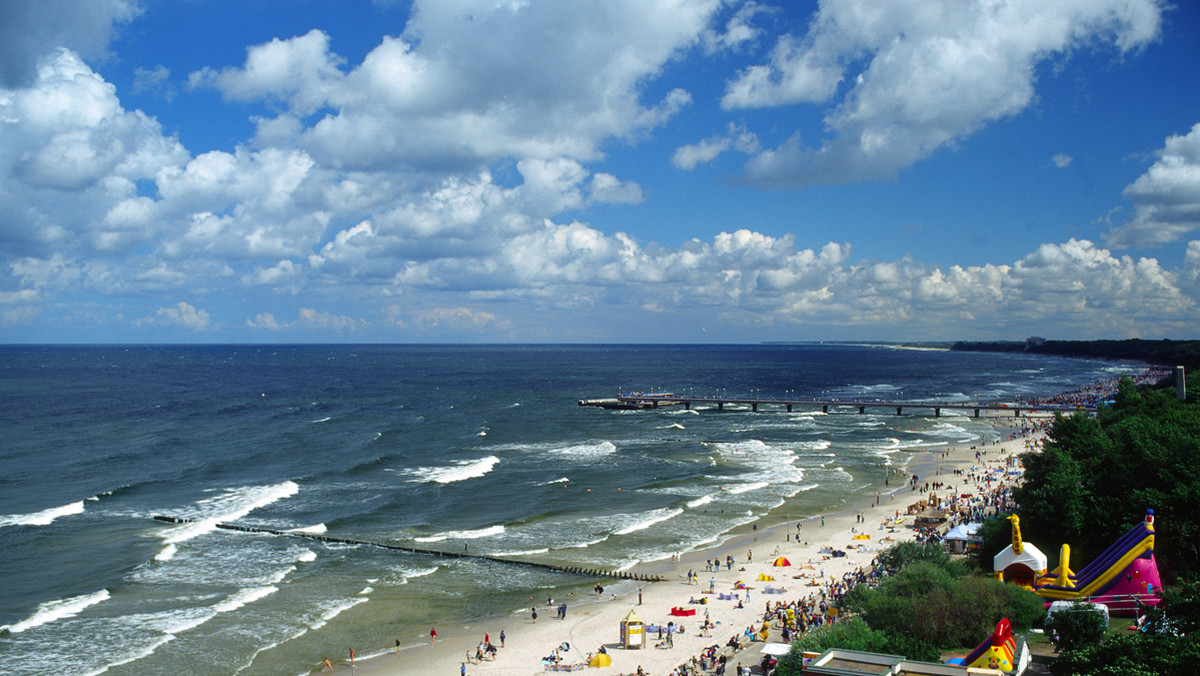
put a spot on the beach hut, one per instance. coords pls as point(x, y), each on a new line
point(781, 562)
point(633, 632)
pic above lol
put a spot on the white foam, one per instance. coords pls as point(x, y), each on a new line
point(61, 609)
point(145, 652)
point(335, 611)
point(321, 420)
point(243, 597)
point(702, 500)
point(595, 450)
point(460, 472)
point(366, 590)
point(650, 518)
point(314, 530)
point(166, 554)
point(746, 488)
point(42, 518)
point(557, 481)
point(232, 505)
point(490, 531)
point(528, 552)
point(307, 556)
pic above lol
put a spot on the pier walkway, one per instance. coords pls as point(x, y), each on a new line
point(570, 570)
point(652, 400)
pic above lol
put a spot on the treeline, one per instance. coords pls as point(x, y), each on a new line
point(1094, 479)
point(1164, 352)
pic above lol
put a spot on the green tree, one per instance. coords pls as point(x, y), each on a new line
point(1076, 628)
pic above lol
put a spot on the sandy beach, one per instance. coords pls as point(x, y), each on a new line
point(590, 625)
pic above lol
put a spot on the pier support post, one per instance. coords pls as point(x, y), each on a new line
point(976, 413)
point(937, 412)
point(789, 408)
point(899, 410)
point(862, 409)
point(754, 407)
point(720, 406)
point(824, 408)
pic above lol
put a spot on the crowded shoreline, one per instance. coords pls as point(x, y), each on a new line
point(734, 601)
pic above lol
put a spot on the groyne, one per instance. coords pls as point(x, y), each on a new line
point(569, 570)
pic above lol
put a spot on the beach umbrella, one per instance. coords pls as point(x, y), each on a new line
point(601, 660)
point(781, 561)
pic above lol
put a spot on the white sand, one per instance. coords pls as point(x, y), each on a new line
point(590, 626)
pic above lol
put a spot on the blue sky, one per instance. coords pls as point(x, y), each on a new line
point(598, 170)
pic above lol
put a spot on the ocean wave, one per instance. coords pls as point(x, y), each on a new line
point(133, 657)
point(594, 450)
point(472, 469)
point(231, 506)
point(527, 552)
point(312, 530)
point(306, 556)
point(243, 597)
point(321, 420)
point(490, 531)
point(746, 488)
point(165, 554)
point(61, 609)
point(556, 481)
point(42, 518)
point(335, 611)
point(650, 518)
point(702, 500)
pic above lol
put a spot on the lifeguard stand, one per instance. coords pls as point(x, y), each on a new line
point(633, 631)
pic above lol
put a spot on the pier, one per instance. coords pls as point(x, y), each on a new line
point(570, 570)
point(653, 400)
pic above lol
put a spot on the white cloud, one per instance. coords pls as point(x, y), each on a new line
point(934, 72)
point(183, 314)
point(31, 28)
point(1166, 198)
point(1062, 160)
point(737, 137)
point(474, 81)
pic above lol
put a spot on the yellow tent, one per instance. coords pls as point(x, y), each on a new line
point(601, 660)
point(763, 577)
point(781, 561)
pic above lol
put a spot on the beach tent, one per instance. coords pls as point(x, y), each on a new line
point(781, 561)
point(601, 660)
point(956, 540)
point(763, 577)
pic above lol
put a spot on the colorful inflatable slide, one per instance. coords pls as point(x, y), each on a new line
point(997, 651)
point(1123, 576)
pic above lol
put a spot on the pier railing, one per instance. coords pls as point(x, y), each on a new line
point(639, 401)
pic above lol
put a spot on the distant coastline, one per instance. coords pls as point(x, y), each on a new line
point(1163, 352)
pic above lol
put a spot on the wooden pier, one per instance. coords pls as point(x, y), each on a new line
point(570, 570)
point(653, 400)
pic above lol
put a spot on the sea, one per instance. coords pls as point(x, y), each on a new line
point(456, 448)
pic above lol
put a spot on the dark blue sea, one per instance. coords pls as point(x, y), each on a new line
point(478, 448)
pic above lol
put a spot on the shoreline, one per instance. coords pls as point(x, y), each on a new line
point(593, 622)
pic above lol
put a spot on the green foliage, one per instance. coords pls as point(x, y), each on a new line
point(996, 533)
point(1097, 476)
point(1077, 628)
point(901, 554)
point(856, 634)
point(1132, 654)
point(930, 603)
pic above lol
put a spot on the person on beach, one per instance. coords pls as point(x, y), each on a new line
point(501, 638)
point(352, 656)
point(328, 665)
point(534, 610)
point(432, 636)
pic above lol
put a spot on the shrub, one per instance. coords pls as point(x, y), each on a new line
point(1076, 628)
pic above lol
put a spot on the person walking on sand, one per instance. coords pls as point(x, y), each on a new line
point(328, 666)
point(501, 638)
point(352, 656)
point(432, 636)
point(534, 615)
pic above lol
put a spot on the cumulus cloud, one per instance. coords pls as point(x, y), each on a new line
point(1166, 198)
point(183, 314)
point(475, 81)
point(737, 137)
point(29, 29)
point(1061, 160)
point(934, 72)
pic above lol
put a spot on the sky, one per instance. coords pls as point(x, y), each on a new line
point(592, 171)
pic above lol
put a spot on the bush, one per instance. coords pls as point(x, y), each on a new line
point(1076, 628)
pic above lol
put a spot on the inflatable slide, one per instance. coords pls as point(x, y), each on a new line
point(997, 651)
point(1123, 576)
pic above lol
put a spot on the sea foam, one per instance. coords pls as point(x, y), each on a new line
point(42, 518)
point(460, 472)
point(232, 505)
point(52, 611)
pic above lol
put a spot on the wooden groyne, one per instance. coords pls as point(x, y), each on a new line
point(570, 570)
